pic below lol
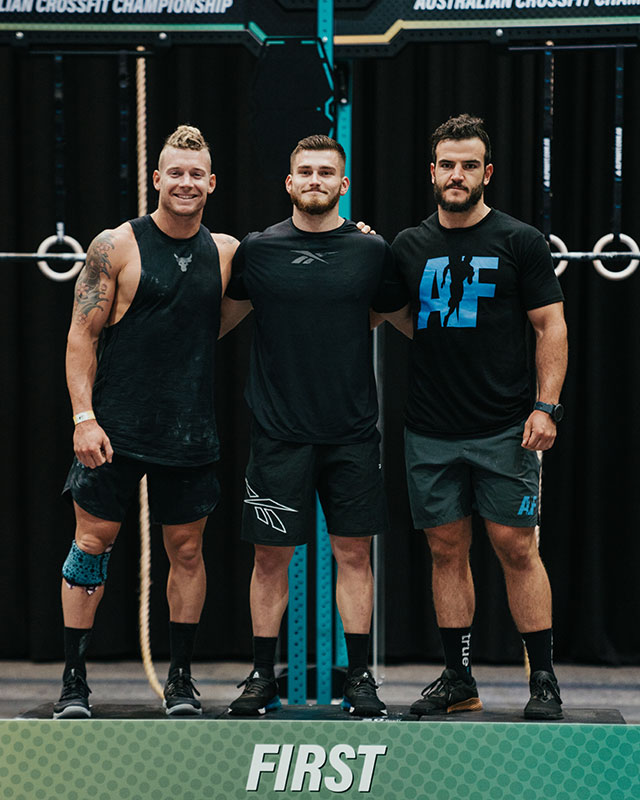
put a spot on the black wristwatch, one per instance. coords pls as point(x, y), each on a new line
point(555, 412)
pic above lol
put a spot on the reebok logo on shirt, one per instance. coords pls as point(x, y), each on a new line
point(307, 257)
point(451, 287)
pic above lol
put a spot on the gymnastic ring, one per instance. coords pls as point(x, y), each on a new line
point(629, 269)
point(557, 242)
point(51, 273)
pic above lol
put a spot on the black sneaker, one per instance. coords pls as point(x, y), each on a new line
point(179, 700)
point(74, 700)
point(259, 696)
point(360, 696)
point(545, 702)
point(446, 695)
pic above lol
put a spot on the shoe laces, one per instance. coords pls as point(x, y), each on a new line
point(181, 684)
point(74, 685)
point(255, 683)
point(544, 688)
point(441, 684)
point(363, 684)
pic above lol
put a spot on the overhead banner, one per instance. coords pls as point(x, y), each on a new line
point(390, 24)
point(143, 21)
point(379, 27)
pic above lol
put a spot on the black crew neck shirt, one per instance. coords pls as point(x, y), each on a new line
point(471, 288)
point(311, 374)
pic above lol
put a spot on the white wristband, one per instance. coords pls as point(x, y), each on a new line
point(83, 416)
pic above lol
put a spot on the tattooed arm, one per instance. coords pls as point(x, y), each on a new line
point(94, 296)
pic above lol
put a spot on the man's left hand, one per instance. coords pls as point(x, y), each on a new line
point(539, 431)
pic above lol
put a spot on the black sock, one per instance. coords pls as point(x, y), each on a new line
point(457, 650)
point(182, 639)
point(76, 642)
point(264, 653)
point(357, 652)
point(539, 646)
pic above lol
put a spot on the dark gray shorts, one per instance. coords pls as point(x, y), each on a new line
point(177, 495)
point(448, 478)
point(281, 483)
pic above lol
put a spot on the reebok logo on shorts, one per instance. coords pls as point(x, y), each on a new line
point(266, 509)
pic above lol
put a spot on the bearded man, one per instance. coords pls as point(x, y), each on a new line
point(473, 425)
point(311, 281)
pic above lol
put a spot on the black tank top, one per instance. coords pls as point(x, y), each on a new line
point(153, 392)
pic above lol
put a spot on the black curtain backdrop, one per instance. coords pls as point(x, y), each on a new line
point(590, 502)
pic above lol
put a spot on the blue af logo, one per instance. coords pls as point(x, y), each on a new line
point(451, 287)
point(528, 504)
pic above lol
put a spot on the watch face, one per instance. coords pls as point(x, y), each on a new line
point(558, 413)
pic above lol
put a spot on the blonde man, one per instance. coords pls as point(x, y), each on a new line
point(150, 293)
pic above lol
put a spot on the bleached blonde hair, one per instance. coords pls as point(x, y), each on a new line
point(186, 137)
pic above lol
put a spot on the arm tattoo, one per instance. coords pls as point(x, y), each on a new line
point(90, 293)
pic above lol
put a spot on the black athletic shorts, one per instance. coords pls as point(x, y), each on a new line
point(177, 495)
point(447, 478)
point(281, 483)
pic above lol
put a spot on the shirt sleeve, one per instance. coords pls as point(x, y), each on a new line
point(392, 292)
point(539, 285)
point(236, 289)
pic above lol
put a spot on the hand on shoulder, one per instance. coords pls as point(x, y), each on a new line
point(364, 228)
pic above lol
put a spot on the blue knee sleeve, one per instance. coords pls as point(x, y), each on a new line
point(84, 569)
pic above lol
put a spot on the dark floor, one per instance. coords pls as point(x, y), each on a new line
point(586, 691)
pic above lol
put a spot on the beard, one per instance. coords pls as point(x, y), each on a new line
point(315, 205)
point(458, 206)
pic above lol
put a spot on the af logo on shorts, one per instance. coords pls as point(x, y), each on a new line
point(451, 287)
point(266, 509)
point(528, 504)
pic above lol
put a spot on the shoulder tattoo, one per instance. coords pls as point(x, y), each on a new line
point(226, 239)
point(90, 291)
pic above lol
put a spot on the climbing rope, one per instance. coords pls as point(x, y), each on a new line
point(145, 528)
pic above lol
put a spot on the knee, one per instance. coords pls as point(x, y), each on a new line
point(186, 553)
point(85, 569)
point(92, 545)
point(94, 540)
point(518, 556)
point(446, 553)
point(271, 562)
point(353, 560)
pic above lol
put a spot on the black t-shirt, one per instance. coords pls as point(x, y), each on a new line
point(310, 374)
point(471, 289)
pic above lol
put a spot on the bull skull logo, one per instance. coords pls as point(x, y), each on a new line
point(183, 261)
